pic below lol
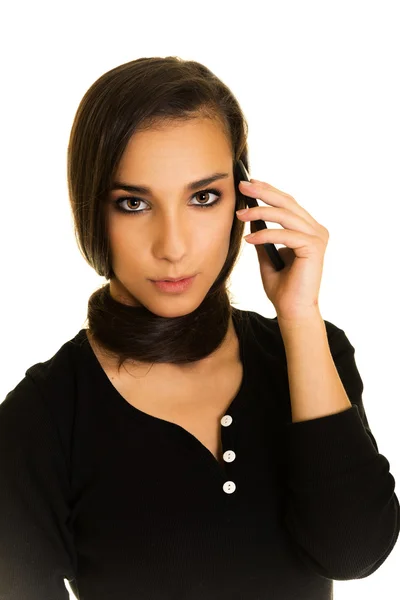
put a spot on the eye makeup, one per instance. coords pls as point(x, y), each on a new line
point(119, 201)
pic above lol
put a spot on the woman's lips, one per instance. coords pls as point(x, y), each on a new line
point(174, 286)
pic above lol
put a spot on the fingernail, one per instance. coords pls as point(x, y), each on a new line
point(246, 183)
point(241, 212)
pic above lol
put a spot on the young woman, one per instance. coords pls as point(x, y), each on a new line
point(179, 447)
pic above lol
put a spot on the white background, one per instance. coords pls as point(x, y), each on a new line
point(319, 84)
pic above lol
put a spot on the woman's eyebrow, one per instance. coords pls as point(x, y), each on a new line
point(141, 189)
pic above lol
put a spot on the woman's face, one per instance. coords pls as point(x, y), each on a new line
point(172, 236)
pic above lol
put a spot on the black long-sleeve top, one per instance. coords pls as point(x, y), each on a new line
point(128, 506)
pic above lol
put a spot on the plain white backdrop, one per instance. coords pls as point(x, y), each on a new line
point(319, 84)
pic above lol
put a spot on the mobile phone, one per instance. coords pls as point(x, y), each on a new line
point(241, 174)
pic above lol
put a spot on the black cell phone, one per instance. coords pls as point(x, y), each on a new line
point(241, 174)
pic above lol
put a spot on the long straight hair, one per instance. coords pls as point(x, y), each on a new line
point(132, 97)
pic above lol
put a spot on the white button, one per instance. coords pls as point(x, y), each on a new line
point(229, 456)
point(226, 420)
point(229, 487)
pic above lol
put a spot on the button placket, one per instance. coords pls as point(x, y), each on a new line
point(229, 456)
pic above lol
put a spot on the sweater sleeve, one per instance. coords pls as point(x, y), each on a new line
point(341, 509)
point(36, 549)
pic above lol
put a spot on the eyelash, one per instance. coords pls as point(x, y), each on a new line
point(119, 201)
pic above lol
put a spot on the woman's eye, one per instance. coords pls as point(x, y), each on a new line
point(138, 201)
point(130, 200)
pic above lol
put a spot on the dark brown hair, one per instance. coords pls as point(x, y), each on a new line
point(137, 96)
